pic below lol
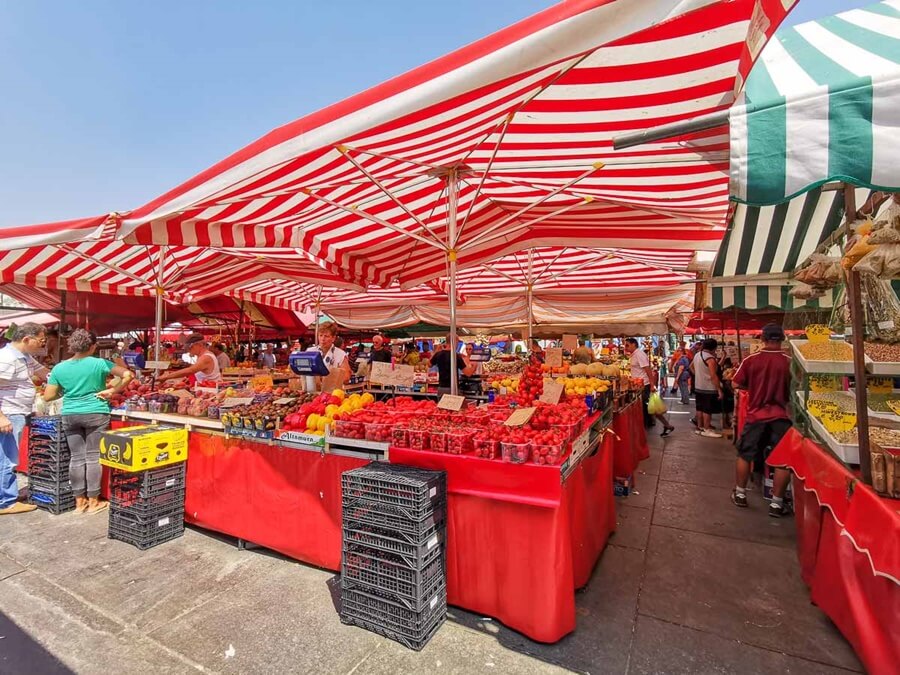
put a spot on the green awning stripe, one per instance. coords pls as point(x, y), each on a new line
point(769, 126)
point(817, 65)
point(882, 45)
point(884, 10)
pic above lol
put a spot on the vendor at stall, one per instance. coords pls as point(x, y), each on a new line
point(381, 353)
point(205, 367)
point(582, 354)
point(335, 359)
point(441, 361)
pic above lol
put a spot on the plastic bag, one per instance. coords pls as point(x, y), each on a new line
point(885, 235)
point(805, 292)
point(655, 404)
point(883, 262)
point(860, 248)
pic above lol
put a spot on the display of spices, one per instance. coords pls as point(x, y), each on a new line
point(886, 438)
point(832, 350)
point(879, 402)
point(844, 401)
point(883, 352)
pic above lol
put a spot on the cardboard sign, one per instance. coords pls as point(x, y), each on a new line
point(283, 401)
point(553, 357)
point(261, 381)
point(552, 392)
point(235, 401)
point(392, 375)
point(156, 365)
point(881, 385)
point(450, 402)
point(519, 417)
point(180, 393)
point(570, 342)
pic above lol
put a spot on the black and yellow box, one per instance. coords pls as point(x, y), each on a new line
point(143, 447)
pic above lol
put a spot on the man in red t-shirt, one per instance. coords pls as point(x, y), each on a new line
point(766, 376)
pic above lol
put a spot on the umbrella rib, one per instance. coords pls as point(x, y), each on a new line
point(550, 264)
point(112, 268)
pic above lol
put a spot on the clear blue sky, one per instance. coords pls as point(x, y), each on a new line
point(109, 103)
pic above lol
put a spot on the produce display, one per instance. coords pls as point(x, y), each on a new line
point(830, 350)
point(883, 352)
point(879, 402)
point(886, 438)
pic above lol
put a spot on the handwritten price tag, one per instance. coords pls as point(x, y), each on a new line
point(235, 401)
point(283, 401)
point(570, 342)
point(392, 375)
point(838, 421)
point(552, 392)
point(451, 402)
point(520, 417)
point(894, 404)
point(818, 332)
point(823, 383)
point(553, 357)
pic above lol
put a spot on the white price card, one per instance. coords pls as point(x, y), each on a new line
point(451, 402)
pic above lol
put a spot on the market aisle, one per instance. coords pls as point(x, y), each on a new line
point(687, 584)
point(691, 584)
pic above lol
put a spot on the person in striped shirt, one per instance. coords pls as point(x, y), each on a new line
point(18, 368)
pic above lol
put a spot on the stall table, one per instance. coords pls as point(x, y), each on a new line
point(848, 541)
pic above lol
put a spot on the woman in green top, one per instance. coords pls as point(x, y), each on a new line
point(85, 413)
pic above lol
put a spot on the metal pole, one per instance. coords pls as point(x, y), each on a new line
point(318, 312)
point(63, 297)
point(529, 296)
point(452, 198)
point(159, 306)
point(665, 131)
point(737, 330)
point(859, 373)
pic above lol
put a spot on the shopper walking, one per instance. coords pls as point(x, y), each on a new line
point(682, 368)
point(707, 388)
point(766, 377)
point(640, 370)
point(81, 380)
point(18, 368)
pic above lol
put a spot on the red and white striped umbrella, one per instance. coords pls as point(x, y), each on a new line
point(500, 146)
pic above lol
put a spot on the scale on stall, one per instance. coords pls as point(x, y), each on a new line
point(308, 363)
point(480, 355)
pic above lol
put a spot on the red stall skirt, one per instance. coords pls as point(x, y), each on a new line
point(631, 448)
point(849, 549)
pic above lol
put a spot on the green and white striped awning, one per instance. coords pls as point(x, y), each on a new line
point(822, 103)
point(765, 244)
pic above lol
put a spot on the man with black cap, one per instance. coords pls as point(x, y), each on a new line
point(205, 367)
point(766, 376)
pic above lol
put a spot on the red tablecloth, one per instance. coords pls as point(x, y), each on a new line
point(286, 500)
point(519, 540)
point(849, 549)
point(631, 448)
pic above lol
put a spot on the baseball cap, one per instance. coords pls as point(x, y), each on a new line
point(193, 339)
point(772, 332)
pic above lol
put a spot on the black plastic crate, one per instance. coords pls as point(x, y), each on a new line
point(46, 423)
point(54, 503)
point(147, 535)
point(409, 628)
point(411, 547)
point(143, 508)
point(46, 438)
point(394, 518)
point(389, 578)
point(49, 472)
point(414, 490)
point(59, 485)
point(150, 482)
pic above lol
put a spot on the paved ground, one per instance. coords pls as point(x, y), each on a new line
point(689, 584)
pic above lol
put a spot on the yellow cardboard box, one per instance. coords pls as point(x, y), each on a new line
point(143, 447)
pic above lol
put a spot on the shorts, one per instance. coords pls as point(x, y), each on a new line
point(707, 402)
point(760, 438)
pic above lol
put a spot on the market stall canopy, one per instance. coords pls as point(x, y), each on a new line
point(185, 273)
point(764, 245)
point(502, 145)
point(821, 104)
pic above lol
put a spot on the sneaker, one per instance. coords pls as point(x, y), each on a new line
point(667, 431)
point(739, 499)
point(17, 507)
point(698, 432)
point(709, 433)
point(779, 510)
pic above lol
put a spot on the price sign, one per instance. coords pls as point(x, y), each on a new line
point(392, 375)
point(894, 405)
point(261, 381)
point(553, 357)
point(818, 332)
point(180, 393)
point(552, 392)
point(818, 407)
point(570, 342)
point(838, 421)
point(519, 417)
point(235, 401)
point(157, 365)
point(881, 385)
point(284, 401)
point(823, 383)
point(451, 402)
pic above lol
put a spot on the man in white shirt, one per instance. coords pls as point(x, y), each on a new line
point(641, 370)
point(267, 357)
point(17, 392)
point(223, 358)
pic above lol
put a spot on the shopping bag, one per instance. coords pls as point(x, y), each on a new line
point(655, 404)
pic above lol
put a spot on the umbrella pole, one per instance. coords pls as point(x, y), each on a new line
point(529, 297)
point(452, 197)
point(157, 324)
point(318, 312)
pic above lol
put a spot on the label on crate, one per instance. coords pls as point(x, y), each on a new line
point(553, 357)
point(300, 438)
point(170, 483)
point(432, 542)
point(163, 522)
point(451, 402)
point(580, 444)
point(434, 602)
point(520, 417)
point(432, 492)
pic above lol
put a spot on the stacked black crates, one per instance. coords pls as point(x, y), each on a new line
point(146, 508)
point(48, 466)
point(393, 574)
